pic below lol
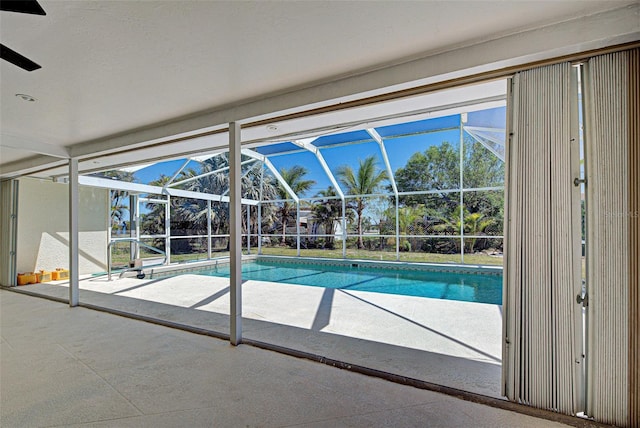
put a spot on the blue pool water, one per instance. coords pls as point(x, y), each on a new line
point(467, 287)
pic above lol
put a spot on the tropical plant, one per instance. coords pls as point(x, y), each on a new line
point(365, 181)
point(409, 223)
point(213, 179)
point(408, 216)
point(152, 220)
point(190, 216)
point(294, 177)
point(209, 179)
point(474, 224)
point(251, 189)
point(119, 209)
point(327, 211)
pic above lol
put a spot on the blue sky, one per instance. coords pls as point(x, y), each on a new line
point(399, 150)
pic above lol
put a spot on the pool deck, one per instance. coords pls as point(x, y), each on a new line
point(451, 343)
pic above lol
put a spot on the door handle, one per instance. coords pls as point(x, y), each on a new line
point(583, 300)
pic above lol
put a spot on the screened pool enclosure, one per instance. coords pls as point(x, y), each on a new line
point(428, 190)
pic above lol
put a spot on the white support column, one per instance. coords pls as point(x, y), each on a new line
point(463, 120)
point(260, 228)
point(397, 229)
point(260, 211)
point(344, 229)
point(208, 229)
point(108, 220)
point(74, 248)
point(235, 237)
point(136, 218)
point(248, 229)
point(167, 229)
point(298, 228)
point(133, 204)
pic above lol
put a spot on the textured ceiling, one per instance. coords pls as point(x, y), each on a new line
point(109, 67)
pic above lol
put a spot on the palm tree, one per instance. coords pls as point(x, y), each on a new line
point(407, 217)
point(326, 211)
point(364, 182)
point(474, 224)
point(152, 222)
point(449, 224)
point(251, 190)
point(218, 184)
point(118, 197)
point(294, 177)
point(213, 183)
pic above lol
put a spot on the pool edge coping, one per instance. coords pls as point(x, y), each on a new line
point(194, 267)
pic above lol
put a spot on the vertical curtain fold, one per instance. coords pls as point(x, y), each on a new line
point(614, 115)
point(634, 237)
point(539, 360)
point(608, 213)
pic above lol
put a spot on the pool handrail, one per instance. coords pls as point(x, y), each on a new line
point(139, 243)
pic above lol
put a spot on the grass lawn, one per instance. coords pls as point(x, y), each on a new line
point(477, 259)
point(120, 259)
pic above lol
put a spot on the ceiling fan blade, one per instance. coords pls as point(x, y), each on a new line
point(16, 59)
point(23, 6)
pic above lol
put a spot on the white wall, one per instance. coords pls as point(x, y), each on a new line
point(43, 226)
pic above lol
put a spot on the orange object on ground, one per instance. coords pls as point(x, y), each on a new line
point(43, 276)
point(27, 278)
point(59, 274)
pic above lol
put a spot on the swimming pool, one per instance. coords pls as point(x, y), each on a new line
point(468, 287)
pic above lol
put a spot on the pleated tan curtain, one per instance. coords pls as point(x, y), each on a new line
point(611, 106)
point(634, 237)
point(539, 358)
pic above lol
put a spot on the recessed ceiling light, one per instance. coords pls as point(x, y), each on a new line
point(25, 97)
point(272, 128)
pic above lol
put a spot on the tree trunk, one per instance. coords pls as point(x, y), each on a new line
point(360, 242)
point(329, 231)
point(284, 231)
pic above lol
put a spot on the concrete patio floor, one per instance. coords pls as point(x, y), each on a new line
point(451, 343)
point(79, 367)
